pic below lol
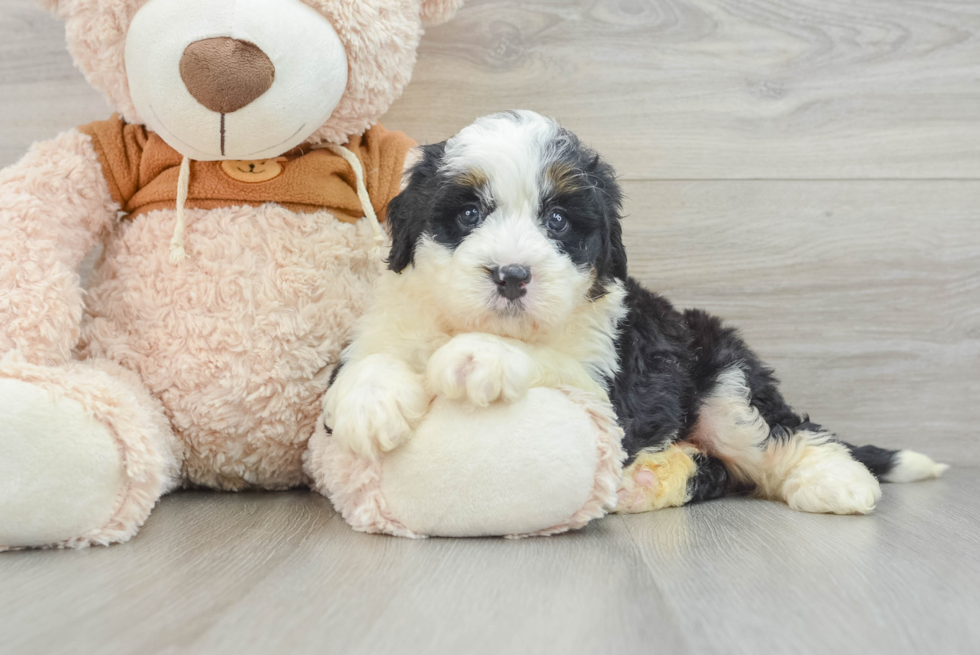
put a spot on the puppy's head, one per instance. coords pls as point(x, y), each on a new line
point(509, 226)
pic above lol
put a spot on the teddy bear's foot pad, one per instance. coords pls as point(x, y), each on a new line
point(61, 471)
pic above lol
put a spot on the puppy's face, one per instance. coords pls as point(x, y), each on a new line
point(508, 227)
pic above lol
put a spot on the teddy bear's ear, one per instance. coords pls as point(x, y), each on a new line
point(439, 11)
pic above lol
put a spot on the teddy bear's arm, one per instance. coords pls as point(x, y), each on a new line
point(54, 206)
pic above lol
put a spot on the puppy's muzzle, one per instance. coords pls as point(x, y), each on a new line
point(511, 280)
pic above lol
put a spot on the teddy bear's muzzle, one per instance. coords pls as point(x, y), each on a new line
point(226, 74)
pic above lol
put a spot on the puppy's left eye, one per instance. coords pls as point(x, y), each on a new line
point(470, 216)
point(557, 221)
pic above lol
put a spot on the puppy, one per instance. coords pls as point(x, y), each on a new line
point(507, 268)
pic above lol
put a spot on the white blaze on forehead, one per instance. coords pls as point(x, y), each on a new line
point(512, 150)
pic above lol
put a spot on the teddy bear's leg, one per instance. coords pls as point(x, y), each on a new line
point(675, 476)
point(546, 463)
point(85, 452)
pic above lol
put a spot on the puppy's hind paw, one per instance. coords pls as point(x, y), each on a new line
point(481, 368)
point(829, 481)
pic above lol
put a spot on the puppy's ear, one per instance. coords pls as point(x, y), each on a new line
point(609, 196)
point(408, 213)
point(616, 267)
point(405, 218)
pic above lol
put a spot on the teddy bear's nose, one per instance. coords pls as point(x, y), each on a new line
point(226, 74)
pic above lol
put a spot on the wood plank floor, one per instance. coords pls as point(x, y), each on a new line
point(809, 169)
point(276, 573)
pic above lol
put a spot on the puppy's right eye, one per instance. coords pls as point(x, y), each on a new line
point(470, 216)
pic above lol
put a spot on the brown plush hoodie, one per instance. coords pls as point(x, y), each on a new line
point(142, 173)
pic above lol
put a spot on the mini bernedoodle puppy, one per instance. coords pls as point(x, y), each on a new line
point(507, 256)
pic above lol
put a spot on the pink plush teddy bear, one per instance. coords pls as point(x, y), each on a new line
point(241, 242)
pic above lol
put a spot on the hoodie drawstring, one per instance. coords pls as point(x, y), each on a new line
point(177, 252)
point(362, 194)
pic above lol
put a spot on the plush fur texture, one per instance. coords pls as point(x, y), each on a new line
point(115, 398)
point(509, 475)
point(54, 456)
point(54, 208)
point(379, 36)
point(507, 253)
point(353, 484)
point(238, 341)
point(207, 373)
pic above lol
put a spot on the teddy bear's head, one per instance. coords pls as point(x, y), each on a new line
point(248, 79)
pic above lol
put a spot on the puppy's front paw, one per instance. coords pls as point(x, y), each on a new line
point(375, 404)
point(481, 368)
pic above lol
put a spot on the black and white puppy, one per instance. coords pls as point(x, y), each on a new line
point(507, 256)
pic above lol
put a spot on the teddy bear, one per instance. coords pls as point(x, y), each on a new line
point(237, 195)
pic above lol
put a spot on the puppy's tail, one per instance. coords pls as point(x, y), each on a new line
point(897, 465)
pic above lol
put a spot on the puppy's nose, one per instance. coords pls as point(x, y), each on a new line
point(226, 74)
point(511, 280)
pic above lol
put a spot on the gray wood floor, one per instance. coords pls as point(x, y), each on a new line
point(276, 573)
point(809, 169)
